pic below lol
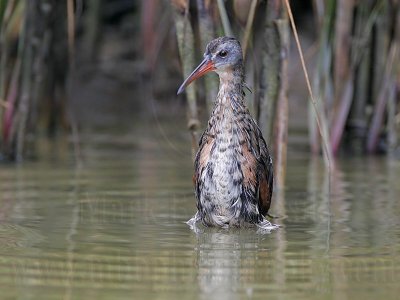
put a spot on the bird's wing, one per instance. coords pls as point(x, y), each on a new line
point(249, 167)
point(202, 157)
point(257, 166)
point(266, 177)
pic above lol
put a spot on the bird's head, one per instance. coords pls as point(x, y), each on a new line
point(223, 55)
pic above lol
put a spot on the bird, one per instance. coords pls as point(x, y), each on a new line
point(233, 169)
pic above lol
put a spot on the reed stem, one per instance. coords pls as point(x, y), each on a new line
point(185, 39)
point(224, 18)
point(249, 25)
point(282, 110)
point(206, 29)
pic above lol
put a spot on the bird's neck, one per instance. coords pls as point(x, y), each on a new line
point(231, 78)
point(231, 86)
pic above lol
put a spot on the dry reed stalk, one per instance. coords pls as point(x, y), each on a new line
point(273, 85)
point(282, 110)
point(11, 102)
point(71, 32)
point(319, 9)
point(149, 33)
point(92, 28)
point(377, 119)
point(391, 71)
point(11, 25)
point(392, 136)
point(362, 62)
point(343, 26)
point(249, 24)
point(71, 59)
point(206, 29)
point(185, 37)
point(379, 54)
point(322, 81)
point(343, 71)
point(23, 108)
point(224, 18)
point(269, 83)
point(9, 12)
point(342, 114)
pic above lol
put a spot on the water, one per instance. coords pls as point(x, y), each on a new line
point(114, 228)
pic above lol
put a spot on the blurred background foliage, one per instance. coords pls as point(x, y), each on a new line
point(62, 59)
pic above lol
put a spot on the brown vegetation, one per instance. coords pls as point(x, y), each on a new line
point(355, 82)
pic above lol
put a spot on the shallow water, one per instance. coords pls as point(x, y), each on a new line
point(114, 228)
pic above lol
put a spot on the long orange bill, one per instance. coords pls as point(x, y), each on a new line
point(204, 67)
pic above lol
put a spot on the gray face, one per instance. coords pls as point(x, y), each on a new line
point(225, 53)
point(224, 56)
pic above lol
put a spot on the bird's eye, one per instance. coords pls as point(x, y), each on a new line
point(222, 53)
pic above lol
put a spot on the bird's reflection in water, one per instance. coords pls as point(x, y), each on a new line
point(226, 259)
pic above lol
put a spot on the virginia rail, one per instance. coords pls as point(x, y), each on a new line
point(233, 174)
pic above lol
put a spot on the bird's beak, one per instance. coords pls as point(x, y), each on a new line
point(204, 67)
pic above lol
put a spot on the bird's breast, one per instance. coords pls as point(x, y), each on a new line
point(224, 177)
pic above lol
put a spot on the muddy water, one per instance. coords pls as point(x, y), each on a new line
point(114, 228)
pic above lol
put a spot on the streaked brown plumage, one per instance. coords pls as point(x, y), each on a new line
point(233, 175)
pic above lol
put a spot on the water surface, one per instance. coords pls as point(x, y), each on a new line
point(114, 228)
